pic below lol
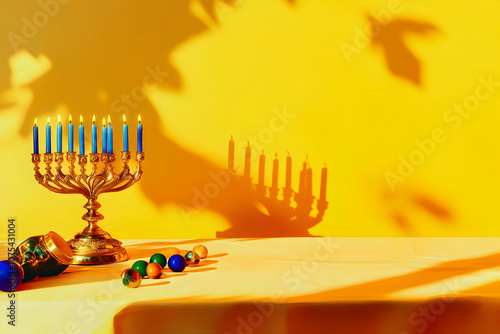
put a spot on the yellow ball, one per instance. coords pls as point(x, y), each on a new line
point(201, 250)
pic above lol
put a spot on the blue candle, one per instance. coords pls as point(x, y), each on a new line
point(94, 135)
point(35, 138)
point(70, 135)
point(125, 134)
point(104, 136)
point(59, 135)
point(48, 145)
point(110, 136)
point(81, 132)
point(139, 135)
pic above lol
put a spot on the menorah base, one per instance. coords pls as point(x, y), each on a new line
point(99, 249)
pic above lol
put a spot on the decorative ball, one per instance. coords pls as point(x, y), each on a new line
point(140, 266)
point(11, 274)
point(171, 251)
point(192, 258)
point(177, 263)
point(131, 278)
point(154, 270)
point(30, 245)
point(29, 257)
point(40, 254)
point(159, 258)
point(201, 250)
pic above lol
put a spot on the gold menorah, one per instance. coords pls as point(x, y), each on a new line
point(93, 245)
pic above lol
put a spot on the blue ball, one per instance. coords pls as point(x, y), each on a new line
point(11, 274)
point(177, 263)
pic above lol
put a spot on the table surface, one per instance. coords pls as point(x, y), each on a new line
point(262, 274)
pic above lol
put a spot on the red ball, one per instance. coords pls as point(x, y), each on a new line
point(153, 270)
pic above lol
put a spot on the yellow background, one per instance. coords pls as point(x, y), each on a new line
point(228, 73)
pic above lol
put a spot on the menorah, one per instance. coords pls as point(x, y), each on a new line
point(93, 245)
point(296, 212)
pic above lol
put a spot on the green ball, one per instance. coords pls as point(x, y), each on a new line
point(140, 266)
point(159, 258)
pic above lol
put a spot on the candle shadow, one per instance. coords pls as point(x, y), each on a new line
point(85, 64)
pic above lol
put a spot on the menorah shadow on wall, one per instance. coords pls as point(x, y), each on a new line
point(285, 212)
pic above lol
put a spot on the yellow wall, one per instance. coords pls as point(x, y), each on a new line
point(228, 75)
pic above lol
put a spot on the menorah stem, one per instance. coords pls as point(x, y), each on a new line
point(94, 245)
point(92, 216)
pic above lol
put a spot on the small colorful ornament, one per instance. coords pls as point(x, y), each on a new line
point(30, 245)
point(177, 263)
point(170, 251)
point(11, 274)
point(131, 278)
point(192, 258)
point(154, 270)
point(201, 250)
point(159, 258)
point(140, 266)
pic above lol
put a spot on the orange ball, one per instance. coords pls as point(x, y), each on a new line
point(153, 270)
point(201, 250)
point(170, 251)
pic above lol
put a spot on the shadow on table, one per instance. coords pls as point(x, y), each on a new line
point(460, 316)
point(345, 310)
point(383, 287)
point(79, 274)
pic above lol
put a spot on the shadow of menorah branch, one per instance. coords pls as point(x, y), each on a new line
point(287, 212)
